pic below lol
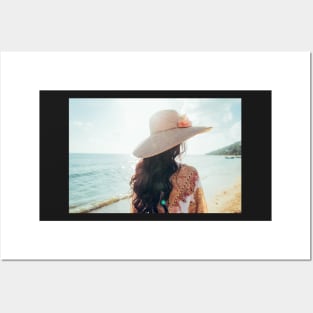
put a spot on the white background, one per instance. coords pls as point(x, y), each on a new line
point(242, 286)
point(23, 236)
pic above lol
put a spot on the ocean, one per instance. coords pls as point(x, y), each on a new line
point(101, 179)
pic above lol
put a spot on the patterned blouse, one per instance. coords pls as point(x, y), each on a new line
point(187, 194)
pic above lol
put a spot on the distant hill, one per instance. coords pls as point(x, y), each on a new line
point(233, 149)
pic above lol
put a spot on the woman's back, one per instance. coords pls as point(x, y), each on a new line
point(186, 195)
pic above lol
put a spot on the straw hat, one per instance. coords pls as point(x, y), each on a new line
point(167, 130)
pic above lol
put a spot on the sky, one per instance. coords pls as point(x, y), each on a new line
point(119, 125)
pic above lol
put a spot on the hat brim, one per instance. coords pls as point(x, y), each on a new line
point(165, 140)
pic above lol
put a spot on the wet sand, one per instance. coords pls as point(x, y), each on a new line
point(122, 206)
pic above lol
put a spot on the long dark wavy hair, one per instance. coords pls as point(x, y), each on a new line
point(151, 181)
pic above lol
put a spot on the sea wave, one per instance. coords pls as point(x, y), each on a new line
point(96, 205)
point(83, 174)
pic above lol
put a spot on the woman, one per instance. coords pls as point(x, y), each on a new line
point(160, 184)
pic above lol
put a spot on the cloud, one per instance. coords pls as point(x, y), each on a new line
point(235, 131)
point(227, 116)
point(217, 113)
point(81, 125)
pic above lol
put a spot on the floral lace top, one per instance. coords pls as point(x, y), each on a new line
point(187, 194)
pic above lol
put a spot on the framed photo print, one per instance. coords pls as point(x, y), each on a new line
point(204, 171)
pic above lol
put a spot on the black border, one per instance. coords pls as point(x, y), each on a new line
point(256, 155)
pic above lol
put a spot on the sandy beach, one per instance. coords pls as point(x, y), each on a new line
point(226, 201)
